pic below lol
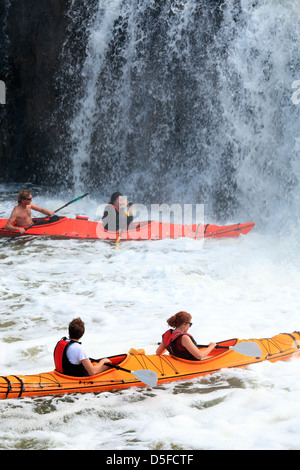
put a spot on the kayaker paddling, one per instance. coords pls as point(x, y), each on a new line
point(118, 214)
point(21, 214)
point(179, 343)
point(70, 357)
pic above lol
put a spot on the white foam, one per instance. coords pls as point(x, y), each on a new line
point(246, 287)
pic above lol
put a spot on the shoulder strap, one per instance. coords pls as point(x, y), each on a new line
point(170, 336)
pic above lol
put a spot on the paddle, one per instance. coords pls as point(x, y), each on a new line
point(57, 210)
point(118, 239)
point(148, 377)
point(248, 348)
point(68, 203)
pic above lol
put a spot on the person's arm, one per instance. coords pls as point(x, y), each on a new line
point(190, 346)
point(9, 224)
point(161, 349)
point(93, 369)
point(130, 219)
point(40, 209)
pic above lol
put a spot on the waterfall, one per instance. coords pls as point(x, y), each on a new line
point(261, 62)
point(190, 101)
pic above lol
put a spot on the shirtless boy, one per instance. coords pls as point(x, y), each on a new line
point(21, 214)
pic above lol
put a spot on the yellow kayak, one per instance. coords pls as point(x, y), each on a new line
point(139, 369)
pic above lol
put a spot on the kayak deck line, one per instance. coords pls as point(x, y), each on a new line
point(167, 367)
point(10, 386)
point(279, 342)
point(223, 232)
point(82, 228)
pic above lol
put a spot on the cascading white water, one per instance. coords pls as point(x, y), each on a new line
point(190, 101)
point(260, 64)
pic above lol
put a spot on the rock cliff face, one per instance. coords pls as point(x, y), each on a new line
point(32, 35)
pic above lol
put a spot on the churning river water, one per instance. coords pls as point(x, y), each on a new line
point(246, 288)
point(183, 100)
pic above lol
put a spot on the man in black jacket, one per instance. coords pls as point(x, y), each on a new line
point(118, 214)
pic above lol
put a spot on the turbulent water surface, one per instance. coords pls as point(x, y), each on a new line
point(180, 101)
point(246, 287)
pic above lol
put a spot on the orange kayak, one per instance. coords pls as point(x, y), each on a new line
point(81, 227)
point(168, 368)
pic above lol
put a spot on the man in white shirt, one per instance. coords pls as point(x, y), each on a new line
point(71, 358)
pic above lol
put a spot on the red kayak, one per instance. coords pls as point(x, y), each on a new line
point(81, 227)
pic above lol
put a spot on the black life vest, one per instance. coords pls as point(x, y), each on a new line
point(172, 342)
point(62, 363)
point(115, 219)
